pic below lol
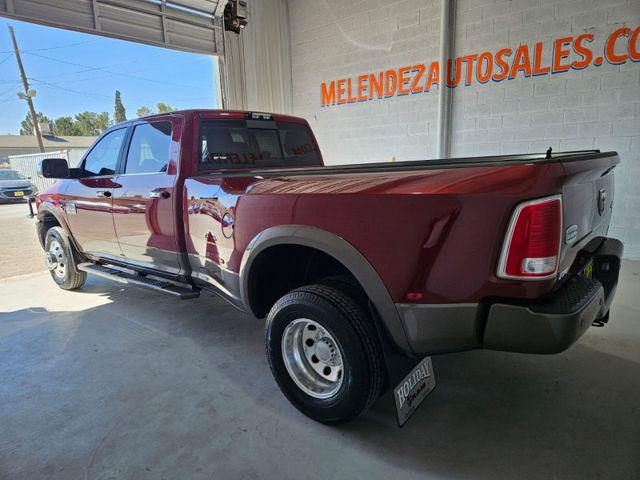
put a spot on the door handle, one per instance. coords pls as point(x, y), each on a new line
point(159, 194)
point(103, 193)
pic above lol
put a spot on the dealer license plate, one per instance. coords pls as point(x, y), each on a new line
point(413, 389)
point(587, 271)
point(18, 194)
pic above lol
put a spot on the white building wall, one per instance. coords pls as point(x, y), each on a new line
point(332, 39)
point(596, 107)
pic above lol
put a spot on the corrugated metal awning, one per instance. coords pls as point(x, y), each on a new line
point(179, 24)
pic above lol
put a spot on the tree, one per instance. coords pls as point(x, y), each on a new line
point(65, 126)
point(84, 123)
point(164, 108)
point(26, 127)
point(91, 123)
point(102, 122)
point(143, 112)
point(119, 115)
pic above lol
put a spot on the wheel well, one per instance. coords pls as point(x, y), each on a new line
point(282, 268)
point(45, 222)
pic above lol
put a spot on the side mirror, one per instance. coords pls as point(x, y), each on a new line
point(53, 168)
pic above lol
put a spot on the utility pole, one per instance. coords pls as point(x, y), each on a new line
point(28, 94)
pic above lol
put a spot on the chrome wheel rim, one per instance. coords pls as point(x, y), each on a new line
point(313, 358)
point(56, 260)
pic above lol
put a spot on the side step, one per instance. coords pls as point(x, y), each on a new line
point(163, 286)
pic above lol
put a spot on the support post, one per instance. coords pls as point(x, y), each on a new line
point(445, 94)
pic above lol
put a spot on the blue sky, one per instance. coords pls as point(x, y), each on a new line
point(73, 72)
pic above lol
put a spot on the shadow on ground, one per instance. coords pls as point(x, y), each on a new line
point(151, 387)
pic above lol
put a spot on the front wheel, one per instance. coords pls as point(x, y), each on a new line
point(61, 261)
point(324, 353)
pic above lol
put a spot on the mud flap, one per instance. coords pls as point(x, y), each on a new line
point(412, 379)
point(413, 389)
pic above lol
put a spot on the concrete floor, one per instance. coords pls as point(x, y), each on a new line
point(109, 383)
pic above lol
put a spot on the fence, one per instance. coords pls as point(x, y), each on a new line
point(27, 164)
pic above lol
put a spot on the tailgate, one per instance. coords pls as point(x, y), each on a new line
point(587, 197)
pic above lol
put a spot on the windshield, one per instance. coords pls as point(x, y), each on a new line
point(10, 175)
point(236, 144)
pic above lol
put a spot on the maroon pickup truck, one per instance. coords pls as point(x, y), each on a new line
point(362, 271)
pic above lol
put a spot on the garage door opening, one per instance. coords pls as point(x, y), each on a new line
point(81, 83)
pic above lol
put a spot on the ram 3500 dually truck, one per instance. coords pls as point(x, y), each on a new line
point(354, 267)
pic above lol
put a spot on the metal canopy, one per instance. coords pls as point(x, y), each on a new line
point(179, 24)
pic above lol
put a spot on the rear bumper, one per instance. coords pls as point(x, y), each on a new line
point(547, 328)
point(550, 325)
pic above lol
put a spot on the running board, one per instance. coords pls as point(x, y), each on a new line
point(163, 286)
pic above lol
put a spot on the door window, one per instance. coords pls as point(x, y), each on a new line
point(103, 157)
point(150, 148)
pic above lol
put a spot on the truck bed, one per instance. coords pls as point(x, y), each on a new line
point(417, 165)
point(411, 220)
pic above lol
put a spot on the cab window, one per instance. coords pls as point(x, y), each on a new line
point(149, 149)
point(103, 157)
point(235, 144)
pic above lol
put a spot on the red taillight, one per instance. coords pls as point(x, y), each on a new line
point(532, 246)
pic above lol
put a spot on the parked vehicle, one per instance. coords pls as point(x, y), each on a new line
point(14, 186)
point(361, 271)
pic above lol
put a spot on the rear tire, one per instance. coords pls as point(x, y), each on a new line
point(324, 353)
point(61, 260)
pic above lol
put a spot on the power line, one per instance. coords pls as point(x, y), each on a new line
point(13, 86)
point(86, 94)
point(56, 47)
point(11, 96)
point(130, 72)
point(8, 101)
point(92, 69)
point(136, 77)
point(64, 46)
point(49, 77)
point(6, 58)
point(101, 96)
point(86, 68)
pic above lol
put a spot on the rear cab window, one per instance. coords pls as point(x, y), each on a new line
point(249, 144)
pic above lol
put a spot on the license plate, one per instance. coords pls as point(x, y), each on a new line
point(587, 271)
point(413, 389)
point(18, 194)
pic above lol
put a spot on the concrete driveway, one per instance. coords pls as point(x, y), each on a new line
point(108, 383)
point(20, 251)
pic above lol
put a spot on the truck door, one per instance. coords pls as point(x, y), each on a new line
point(145, 204)
point(89, 200)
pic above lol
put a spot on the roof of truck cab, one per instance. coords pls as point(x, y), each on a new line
point(221, 113)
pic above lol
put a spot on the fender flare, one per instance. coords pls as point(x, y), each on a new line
point(49, 208)
point(342, 251)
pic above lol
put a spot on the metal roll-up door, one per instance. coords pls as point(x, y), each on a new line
point(180, 24)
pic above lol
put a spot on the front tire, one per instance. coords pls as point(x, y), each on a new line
point(61, 261)
point(324, 353)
